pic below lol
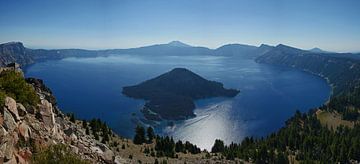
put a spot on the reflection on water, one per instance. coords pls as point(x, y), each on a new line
point(213, 122)
point(91, 87)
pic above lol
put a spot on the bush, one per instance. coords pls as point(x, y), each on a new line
point(57, 154)
point(2, 98)
point(14, 85)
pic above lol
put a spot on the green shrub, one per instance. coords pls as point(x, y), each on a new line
point(14, 85)
point(57, 154)
point(2, 98)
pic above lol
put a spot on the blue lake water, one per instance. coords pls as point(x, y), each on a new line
point(91, 88)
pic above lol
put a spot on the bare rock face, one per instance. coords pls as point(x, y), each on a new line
point(21, 109)
point(3, 133)
point(7, 148)
point(10, 104)
point(9, 122)
point(47, 114)
point(24, 131)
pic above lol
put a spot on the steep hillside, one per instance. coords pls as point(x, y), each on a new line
point(341, 70)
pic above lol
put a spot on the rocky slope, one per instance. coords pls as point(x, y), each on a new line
point(23, 129)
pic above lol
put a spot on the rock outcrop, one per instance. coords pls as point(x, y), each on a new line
point(22, 129)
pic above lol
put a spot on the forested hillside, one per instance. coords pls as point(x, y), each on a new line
point(341, 70)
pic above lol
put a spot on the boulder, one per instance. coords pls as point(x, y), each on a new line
point(7, 148)
point(73, 137)
point(108, 156)
point(21, 109)
point(74, 149)
point(9, 122)
point(47, 114)
point(24, 131)
point(10, 104)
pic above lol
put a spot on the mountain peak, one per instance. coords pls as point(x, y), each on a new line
point(317, 50)
point(177, 43)
point(12, 44)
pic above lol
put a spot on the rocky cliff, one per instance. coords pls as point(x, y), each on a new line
point(14, 52)
point(25, 130)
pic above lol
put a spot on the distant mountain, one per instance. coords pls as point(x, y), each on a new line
point(342, 70)
point(174, 48)
point(235, 50)
point(171, 94)
point(318, 50)
point(178, 44)
point(242, 51)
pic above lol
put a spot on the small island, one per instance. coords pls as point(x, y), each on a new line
point(171, 95)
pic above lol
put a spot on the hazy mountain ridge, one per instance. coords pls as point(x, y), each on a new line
point(341, 70)
point(16, 52)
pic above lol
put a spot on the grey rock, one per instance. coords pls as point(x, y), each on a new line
point(24, 131)
point(9, 122)
point(3, 133)
point(7, 147)
point(21, 109)
point(10, 104)
point(47, 114)
point(108, 156)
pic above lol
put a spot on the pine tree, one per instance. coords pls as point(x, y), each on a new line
point(150, 134)
point(139, 137)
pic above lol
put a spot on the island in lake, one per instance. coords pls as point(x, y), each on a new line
point(171, 95)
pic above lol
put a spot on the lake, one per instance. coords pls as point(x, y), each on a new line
point(91, 88)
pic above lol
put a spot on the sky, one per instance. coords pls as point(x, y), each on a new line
point(101, 24)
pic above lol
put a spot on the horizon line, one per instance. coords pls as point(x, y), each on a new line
point(154, 44)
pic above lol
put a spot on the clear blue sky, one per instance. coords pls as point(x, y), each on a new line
point(98, 24)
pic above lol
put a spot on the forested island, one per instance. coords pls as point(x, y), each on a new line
point(172, 94)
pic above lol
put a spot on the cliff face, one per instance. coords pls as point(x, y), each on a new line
point(14, 52)
point(341, 70)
